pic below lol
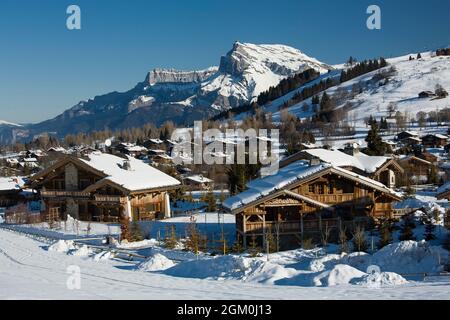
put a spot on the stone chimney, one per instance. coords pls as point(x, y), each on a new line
point(351, 149)
point(314, 162)
point(126, 165)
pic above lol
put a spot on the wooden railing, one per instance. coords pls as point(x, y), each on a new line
point(57, 193)
point(291, 226)
point(333, 198)
point(110, 199)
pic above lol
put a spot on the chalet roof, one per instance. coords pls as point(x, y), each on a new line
point(140, 176)
point(361, 161)
point(412, 157)
point(199, 179)
point(11, 183)
point(294, 173)
point(410, 133)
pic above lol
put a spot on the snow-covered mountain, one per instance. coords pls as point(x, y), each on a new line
point(6, 123)
point(185, 96)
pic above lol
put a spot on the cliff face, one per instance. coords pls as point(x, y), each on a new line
point(175, 76)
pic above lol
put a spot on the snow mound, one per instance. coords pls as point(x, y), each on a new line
point(157, 262)
point(63, 246)
point(338, 275)
point(410, 257)
point(137, 245)
point(104, 255)
point(383, 279)
point(320, 264)
point(232, 268)
point(83, 251)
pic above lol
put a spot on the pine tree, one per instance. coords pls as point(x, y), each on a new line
point(406, 230)
point(375, 144)
point(429, 229)
point(211, 201)
point(419, 56)
point(124, 228)
point(135, 232)
point(193, 238)
point(385, 235)
point(254, 249)
point(270, 241)
point(170, 237)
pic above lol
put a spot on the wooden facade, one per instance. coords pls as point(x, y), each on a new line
point(327, 201)
point(71, 187)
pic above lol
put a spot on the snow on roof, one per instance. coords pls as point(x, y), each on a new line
point(199, 178)
point(440, 136)
point(9, 184)
point(412, 133)
point(141, 176)
point(288, 175)
point(156, 141)
point(338, 158)
point(263, 187)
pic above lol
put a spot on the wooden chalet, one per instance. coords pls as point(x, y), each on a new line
point(198, 182)
point(101, 187)
point(434, 141)
point(10, 191)
point(303, 200)
point(415, 166)
point(383, 169)
point(407, 135)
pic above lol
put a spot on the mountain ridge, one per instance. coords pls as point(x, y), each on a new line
point(180, 96)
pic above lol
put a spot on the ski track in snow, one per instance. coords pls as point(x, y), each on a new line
point(28, 271)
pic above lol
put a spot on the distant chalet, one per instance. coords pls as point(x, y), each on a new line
point(101, 187)
point(304, 200)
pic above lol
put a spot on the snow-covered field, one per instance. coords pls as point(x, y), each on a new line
point(29, 271)
point(34, 264)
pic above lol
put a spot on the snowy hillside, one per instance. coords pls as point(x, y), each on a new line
point(412, 77)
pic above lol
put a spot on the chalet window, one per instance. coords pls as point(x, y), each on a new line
point(311, 188)
point(84, 183)
point(59, 184)
point(331, 187)
point(321, 188)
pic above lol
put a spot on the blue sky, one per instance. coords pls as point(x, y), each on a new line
point(45, 68)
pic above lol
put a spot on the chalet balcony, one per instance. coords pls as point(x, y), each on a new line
point(110, 199)
point(64, 194)
point(333, 198)
point(291, 226)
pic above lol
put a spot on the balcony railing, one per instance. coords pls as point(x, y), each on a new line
point(110, 199)
point(291, 226)
point(333, 198)
point(57, 193)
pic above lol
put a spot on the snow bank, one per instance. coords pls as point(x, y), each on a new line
point(83, 251)
point(157, 262)
point(104, 255)
point(137, 245)
point(381, 280)
point(410, 257)
point(338, 275)
point(232, 268)
point(63, 246)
